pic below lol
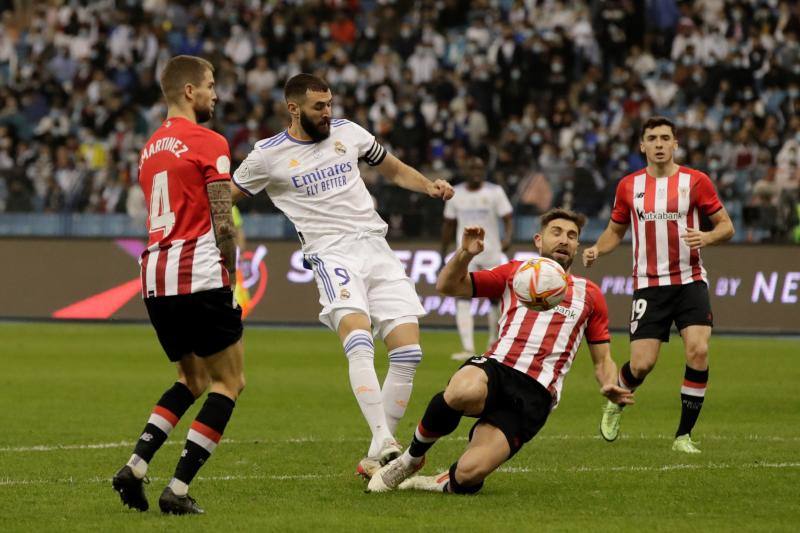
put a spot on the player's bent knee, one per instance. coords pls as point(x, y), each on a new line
point(465, 396)
point(697, 352)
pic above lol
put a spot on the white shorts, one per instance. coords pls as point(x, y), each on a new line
point(361, 273)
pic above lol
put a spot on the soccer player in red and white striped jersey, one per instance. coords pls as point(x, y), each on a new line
point(512, 388)
point(187, 271)
point(663, 204)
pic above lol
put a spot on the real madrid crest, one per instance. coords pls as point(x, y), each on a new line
point(344, 294)
point(340, 148)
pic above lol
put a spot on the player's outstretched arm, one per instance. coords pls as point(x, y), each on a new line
point(605, 372)
point(454, 279)
point(609, 239)
point(219, 198)
point(410, 178)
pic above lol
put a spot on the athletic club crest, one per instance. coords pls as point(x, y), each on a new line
point(339, 148)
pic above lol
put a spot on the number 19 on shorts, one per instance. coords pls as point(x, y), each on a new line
point(638, 308)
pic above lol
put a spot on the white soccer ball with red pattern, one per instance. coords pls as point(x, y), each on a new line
point(540, 284)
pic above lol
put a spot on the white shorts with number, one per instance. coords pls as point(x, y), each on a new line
point(361, 273)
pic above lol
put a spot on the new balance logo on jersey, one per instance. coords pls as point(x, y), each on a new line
point(649, 217)
point(640, 195)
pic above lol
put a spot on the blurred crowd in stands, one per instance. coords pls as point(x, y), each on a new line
point(551, 93)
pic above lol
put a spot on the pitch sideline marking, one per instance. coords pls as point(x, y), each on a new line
point(313, 440)
point(504, 470)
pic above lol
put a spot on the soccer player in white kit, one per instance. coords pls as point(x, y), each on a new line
point(477, 203)
point(310, 171)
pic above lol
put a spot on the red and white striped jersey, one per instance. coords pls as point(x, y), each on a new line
point(177, 162)
point(543, 344)
point(660, 210)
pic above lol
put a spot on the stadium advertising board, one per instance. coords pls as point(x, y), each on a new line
point(754, 288)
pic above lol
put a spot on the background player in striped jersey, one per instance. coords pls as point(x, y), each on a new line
point(310, 171)
point(664, 203)
point(187, 272)
point(477, 203)
point(512, 388)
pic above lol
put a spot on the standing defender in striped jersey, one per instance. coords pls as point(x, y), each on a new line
point(310, 171)
point(187, 272)
point(511, 388)
point(664, 202)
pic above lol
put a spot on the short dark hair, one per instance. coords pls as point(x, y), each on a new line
point(561, 212)
point(654, 122)
point(181, 70)
point(296, 87)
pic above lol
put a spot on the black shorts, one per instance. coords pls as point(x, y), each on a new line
point(516, 404)
point(654, 309)
point(202, 323)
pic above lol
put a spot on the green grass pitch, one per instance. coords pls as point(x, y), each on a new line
point(74, 397)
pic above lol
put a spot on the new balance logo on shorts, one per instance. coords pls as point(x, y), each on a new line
point(478, 359)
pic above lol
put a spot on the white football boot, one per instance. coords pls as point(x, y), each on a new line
point(437, 483)
point(390, 476)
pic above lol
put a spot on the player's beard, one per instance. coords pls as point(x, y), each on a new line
point(565, 262)
point(203, 114)
point(313, 130)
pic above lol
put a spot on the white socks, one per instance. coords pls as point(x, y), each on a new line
point(465, 324)
point(360, 352)
point(179, 487)
point(397, 387)
point(138, 465)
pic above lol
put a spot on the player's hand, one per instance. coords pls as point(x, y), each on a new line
point(617, 394)
point(440, 189)
point(694, 238)
point(472, 240)
point(590, 255)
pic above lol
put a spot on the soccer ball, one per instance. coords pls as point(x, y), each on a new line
point(540, 284)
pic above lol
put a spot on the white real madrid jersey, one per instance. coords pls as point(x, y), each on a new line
point(483, 207)
point(317, 185)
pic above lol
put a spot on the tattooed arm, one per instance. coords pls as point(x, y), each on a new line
point(219, 197)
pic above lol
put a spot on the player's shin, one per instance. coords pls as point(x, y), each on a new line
point(164, 417)
point(439, 420)
point(397, 387)
point(693, 392)
point(360, 352)
point(204, 435)
point(627, 380)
